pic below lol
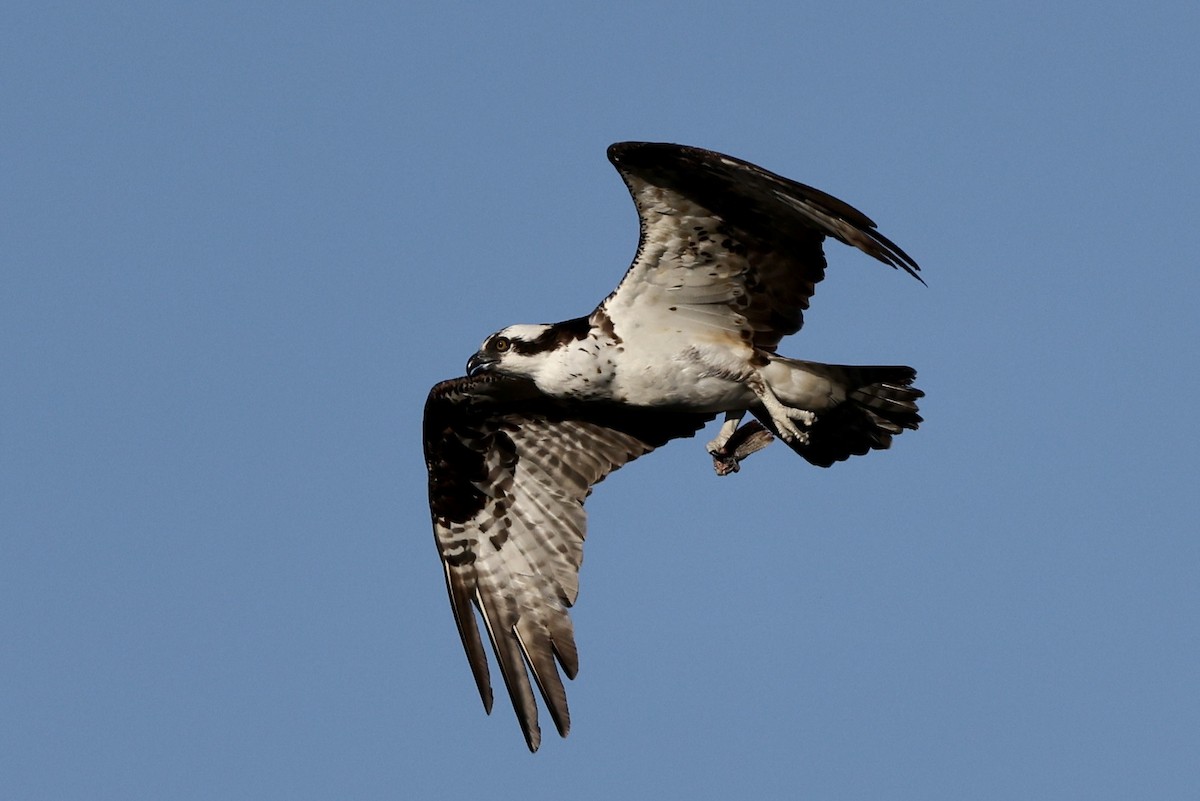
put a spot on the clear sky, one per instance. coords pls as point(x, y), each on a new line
point(240, 241)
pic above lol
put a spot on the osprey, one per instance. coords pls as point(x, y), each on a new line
point(728, 258)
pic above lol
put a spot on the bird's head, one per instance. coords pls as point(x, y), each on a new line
point(519, 350)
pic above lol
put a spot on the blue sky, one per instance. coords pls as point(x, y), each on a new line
point(240, 242)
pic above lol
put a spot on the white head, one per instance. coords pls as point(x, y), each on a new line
point(517, 350)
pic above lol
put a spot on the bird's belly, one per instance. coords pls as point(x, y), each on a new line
point(682, 386)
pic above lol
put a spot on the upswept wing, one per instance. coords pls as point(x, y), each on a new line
point(728, 246)
point(509, 470)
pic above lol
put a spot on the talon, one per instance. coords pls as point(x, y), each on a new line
point(782, 416)
point(786, 430)
point(791, 434)
point(803, 415)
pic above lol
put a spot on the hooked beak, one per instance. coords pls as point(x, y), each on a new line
point(479, 362)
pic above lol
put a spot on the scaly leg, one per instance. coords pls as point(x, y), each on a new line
point(732, 421)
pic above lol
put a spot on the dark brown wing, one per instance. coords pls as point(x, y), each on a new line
point(509, 470)
point(730, 245)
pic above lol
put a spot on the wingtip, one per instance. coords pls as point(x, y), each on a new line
point(618, 150)
point(906, 262)
point(485, 695)
point(533, 735)
point(888, 252)
point(909, 266)
point(623, 154)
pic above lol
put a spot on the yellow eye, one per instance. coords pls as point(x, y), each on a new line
point(501, 344)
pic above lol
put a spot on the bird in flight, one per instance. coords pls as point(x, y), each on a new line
point(728, 258)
